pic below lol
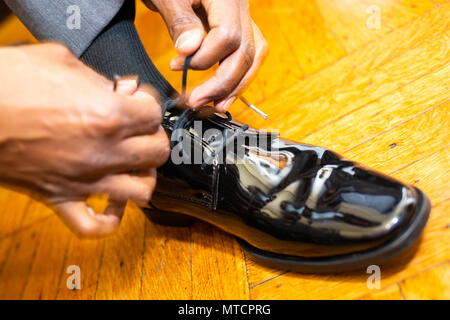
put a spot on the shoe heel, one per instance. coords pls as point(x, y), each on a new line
point(166, 218)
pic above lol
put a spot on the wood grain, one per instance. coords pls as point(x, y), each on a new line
point(428, 174)
point(218, 266)
point(395, 13)
point(351, 68)
point(391, 292)
point(44, 277)
point(121, 267)
point(21, 253)
point(12, 211)
point(280, 69)
point(435, 279)
point(349, 21)
point(392, 149)
point(87, 255)
point(167, 255)
point(312, 42)
point(371, 120)
point(380, 96)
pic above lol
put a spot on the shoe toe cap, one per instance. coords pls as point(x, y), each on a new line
point(353, 204)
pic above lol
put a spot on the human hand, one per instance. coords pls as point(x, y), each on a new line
point(233, 39)
point(65, 134)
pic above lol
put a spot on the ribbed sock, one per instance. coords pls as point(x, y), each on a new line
point(118, 50)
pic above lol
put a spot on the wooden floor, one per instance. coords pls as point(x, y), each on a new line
point(379, 96)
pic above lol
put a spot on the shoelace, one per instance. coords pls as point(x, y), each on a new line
point(187, 116)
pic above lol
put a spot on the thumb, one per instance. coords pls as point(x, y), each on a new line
point(85, 223)
point(189, 41)
point(185, 27)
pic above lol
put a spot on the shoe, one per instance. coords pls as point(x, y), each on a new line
point(289, 205)
point(299, 207)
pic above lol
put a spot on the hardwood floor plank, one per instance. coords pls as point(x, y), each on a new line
point(258, 273)
point(45, 275)
point(347, 70)
point(365, 89)
point(167, 263)
point(348, 19)
point(396, 13)
point(312, 42)
point(5, 246)
point(437, 282)
point(281, 69)
point(428, 175)
point(394, 148)
point(18, 263)
point(19, 257)
point(86, 254)
point(218, 265)
point(383, 114)
point(391, 292)
point(121, 268)
point(354, 21)
point(13, 208)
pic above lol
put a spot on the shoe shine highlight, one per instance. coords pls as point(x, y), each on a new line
point(290, 205)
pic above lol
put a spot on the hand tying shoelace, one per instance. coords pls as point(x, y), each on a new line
point(188, 115)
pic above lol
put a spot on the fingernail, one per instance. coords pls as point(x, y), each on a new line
point(223, 106)
point(184, 40)
point(134, 77)
point(126, 86)
point(127, 82)
point(194, 101)
point(197, 104)
point(189, 41)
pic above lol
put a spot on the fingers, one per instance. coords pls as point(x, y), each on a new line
point(144, 151)
point(237, 43)
point(140, 113)
point(184, 26)
point(261, 49)
point(81, 219)
point(123, 187)
point(230, 72)
point(223, 38)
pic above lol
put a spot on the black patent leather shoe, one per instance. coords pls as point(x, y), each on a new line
point(289, 205)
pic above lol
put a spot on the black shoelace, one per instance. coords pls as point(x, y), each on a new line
point(188, 115)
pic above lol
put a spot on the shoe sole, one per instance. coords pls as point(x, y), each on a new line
point(348, 262)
